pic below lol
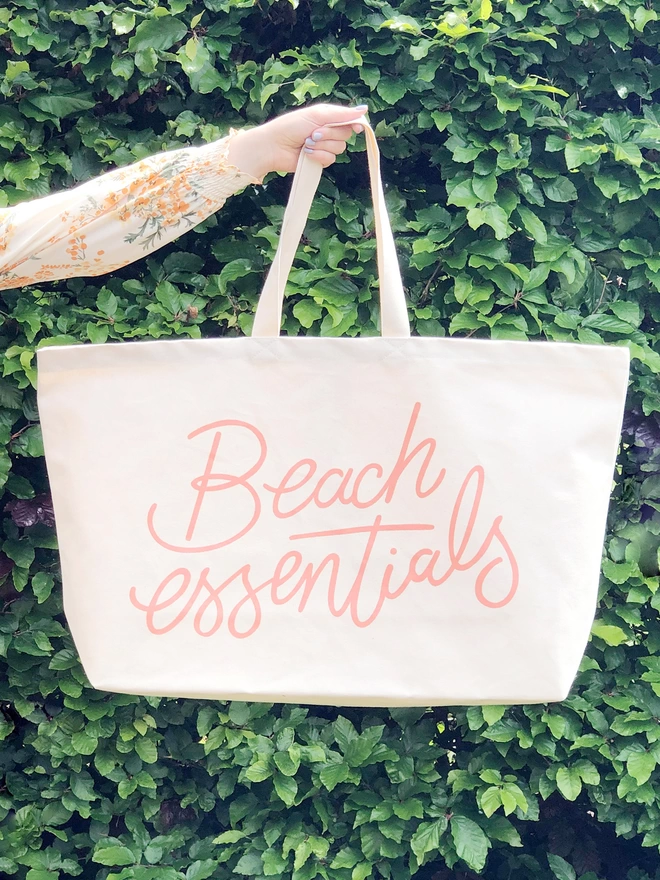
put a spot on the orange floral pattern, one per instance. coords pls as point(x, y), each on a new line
point(106, 223)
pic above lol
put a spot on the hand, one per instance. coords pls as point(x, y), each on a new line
point(276, 145)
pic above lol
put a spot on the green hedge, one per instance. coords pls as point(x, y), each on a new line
point(520, 144)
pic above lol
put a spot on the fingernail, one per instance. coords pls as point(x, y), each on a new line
point(309, 142)
point(317, 135)
point(308, 150)
point(362, 107)
point(359, 129)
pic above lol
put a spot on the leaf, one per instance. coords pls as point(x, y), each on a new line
point(490, 800)
point(307, 311)
point(612, 635)
point(470, 841)
point(288, 762)
point(123, 66)
point(232, 836)
point(345, 732)
point(83, 743)
point(82, 785)
point(608, 184)
point(286, 788)
point(123, 22)
point(532, 224)
point(168, 295)
point(409, 809)
point(500, 828)
point(427, 837)
point(333, 774)
point(559, 189)
point(107, 302)
point(29, 443)
point(493, 216)
point(202, 869)
point(628, 153)
point(147, 750)
point(21, 551)
point(569, 782)
point(18, 172)
point(492, 713)
point(58, 106)
point(109, 851)
point(641, 765)
point(249, 864)
point(391, 90)
point(560, 868)
point(157, 34)
point(580, 153)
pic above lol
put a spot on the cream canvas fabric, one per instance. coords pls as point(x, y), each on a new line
point(373, 521)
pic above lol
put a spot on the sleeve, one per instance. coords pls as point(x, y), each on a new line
point(118, 217)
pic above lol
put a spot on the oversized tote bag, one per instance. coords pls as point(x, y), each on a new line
point(376, 521)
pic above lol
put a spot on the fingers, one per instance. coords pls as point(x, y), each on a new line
point(324, 151)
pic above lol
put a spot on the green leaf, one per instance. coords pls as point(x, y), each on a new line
point(232, 836)
point(82, 785)
point(569, 782)
point(58, 106)
point(470, 841)
point(532, 224)
point(491, 215)
point(409, 809)
point(84, 743)
point(492, 713)
point(109, 851)
point(391, 89)
point(641, 765)
point(612, 635)
point(146, 749)
point(559, 189)
point(249, 864)
point(123, 66)
point(628, 153)
point(202, 869)
point(286, 788)
point(307, 311)
point(29, 443)
point(123, 22)
point(427, 837)
point(608, 184)
point(490, 800)
point(107, 302)
point(18, 172)
point(580, 153)
point(168, 295)
point(288, 762)
point(560, 868)
point(334, 774)
point(345, 732)
point(157, 34)
point(21, 551)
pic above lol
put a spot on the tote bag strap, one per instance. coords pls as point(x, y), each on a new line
point(393, 312)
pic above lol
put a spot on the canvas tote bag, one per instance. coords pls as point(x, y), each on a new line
point(375, 521)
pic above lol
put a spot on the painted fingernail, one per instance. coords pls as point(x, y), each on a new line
point(309, 142)
point(317, 135)
point(362, 107)
point(308, 150)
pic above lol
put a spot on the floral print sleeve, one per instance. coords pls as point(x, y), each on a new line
point(117, 218)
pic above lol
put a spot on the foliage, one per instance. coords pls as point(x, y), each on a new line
point(520, 144)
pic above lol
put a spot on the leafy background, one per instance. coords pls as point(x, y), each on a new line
point(521, 160)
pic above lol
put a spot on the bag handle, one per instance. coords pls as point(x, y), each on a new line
point(393, 312)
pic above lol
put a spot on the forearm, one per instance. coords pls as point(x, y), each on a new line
point(120, 216)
